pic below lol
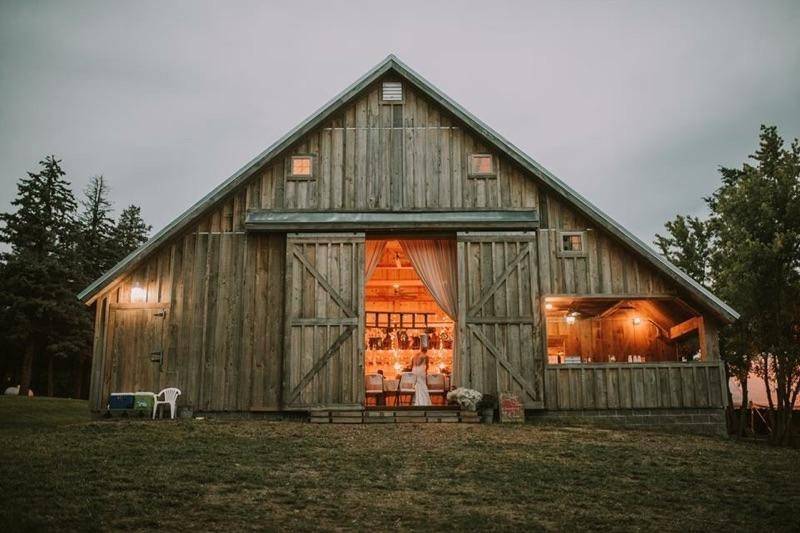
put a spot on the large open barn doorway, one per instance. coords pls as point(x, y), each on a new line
point(408, 286)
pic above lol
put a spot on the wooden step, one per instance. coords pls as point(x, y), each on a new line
point(384, 415)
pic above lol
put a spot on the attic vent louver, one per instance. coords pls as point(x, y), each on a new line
point(392, 91)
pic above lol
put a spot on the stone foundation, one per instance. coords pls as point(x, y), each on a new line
point(699, 421)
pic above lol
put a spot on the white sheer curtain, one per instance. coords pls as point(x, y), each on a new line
point(435, 263)
point(372, 256)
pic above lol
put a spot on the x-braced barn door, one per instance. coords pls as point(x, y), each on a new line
point(499, 320)
point(324, 320)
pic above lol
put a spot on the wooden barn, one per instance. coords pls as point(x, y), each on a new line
point(390, 219)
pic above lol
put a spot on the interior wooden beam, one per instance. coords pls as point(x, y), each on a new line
point(685, 328)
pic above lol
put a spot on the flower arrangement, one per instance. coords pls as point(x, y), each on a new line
point(466, 398)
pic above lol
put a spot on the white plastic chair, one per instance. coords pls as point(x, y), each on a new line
point(170, 397)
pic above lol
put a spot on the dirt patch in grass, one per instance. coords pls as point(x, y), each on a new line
point(65, 472)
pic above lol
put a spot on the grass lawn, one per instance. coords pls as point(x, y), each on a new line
point(59, 470)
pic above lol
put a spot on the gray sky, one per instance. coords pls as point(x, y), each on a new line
point(634, 105)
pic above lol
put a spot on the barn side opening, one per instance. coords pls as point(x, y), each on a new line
point(403, 317)
point(615, 330)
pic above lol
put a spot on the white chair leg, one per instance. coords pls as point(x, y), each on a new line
point(172, 410)
point(155, 408)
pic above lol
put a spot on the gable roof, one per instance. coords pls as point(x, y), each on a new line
point(392, 63)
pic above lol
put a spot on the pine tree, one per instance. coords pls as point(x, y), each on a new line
point(41, 271)
point(96, 227)
point(130, 231)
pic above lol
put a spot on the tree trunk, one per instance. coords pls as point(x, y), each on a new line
point(50, 375)
point(744, 411)
point(77, 377)
point(27, 369)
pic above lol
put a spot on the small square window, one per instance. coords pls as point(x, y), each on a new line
point(481, 165)
point(302, 166)
point(572, 243)
point(392, 91)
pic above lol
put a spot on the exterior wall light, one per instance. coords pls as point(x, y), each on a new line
point(637, 320)
point(138, 294)
point(570, 319)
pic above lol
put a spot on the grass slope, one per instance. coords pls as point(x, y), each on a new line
point(61, 471)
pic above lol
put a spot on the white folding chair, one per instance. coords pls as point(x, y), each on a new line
point(169, 397)
point(374, 387)
point(436, 386)
point(406, 387)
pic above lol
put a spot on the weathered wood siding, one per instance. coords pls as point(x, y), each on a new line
point(635, 386)
point(605, 268)
point(372, 156)
point(221, 340)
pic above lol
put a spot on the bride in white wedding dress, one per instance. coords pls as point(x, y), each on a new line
point(419, 367)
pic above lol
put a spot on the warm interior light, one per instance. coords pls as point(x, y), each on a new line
point(396, 286)
point(398, 367)
point(138, 294)
point(570, 319)
point(637, 320)
point(548, 306)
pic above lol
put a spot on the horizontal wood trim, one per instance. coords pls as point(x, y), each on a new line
point(344, 321)
point(506, 236)
point(139, 305)
point(387, 221)
point(500, 320)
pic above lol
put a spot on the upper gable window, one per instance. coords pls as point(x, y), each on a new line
point(481, 165)
point(572, 243)
point(301, 166)
point(392, 92)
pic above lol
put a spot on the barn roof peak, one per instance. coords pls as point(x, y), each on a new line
point(392, 63)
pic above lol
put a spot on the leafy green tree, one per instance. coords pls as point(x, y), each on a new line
point(748, 252)
point(40, 272)
point(687, 245)
point(756, 263)
point(130, 232)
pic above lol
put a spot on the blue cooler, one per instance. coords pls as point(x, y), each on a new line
point(120, 401)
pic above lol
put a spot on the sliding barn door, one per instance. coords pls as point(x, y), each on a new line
point(499, 319)
point(324, 320)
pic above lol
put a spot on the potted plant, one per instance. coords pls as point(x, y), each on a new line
point(465, 398)
point(486, 406)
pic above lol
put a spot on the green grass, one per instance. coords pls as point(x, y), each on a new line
point(61, 471)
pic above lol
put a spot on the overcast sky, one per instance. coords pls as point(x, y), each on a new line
point(634, 105)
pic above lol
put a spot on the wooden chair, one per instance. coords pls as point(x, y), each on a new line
point(406, 387)
point(374, 388)
point(437, 386)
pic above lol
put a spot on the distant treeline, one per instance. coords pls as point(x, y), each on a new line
point(55, 246)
